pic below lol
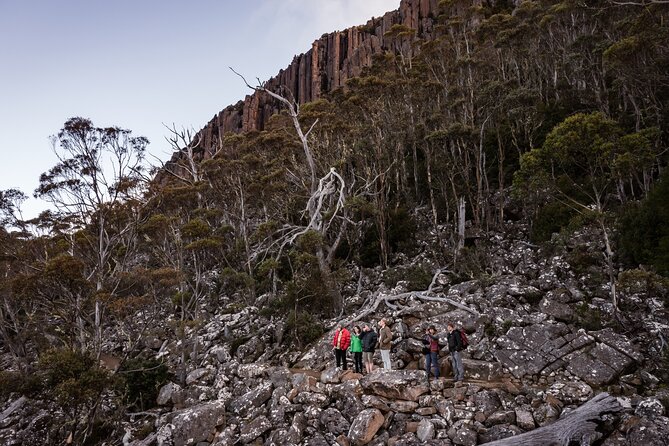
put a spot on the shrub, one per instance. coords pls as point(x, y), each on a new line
point(644, 230)
point(416, 276)
point(588, 318)
point(551, 218)
point(73, 380)
point(304, 328)
point(142, 379)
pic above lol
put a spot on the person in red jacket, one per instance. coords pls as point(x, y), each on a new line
point(340, 343)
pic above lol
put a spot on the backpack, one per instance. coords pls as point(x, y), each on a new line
point(463, 339)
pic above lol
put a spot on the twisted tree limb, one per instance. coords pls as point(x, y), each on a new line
point(580, 426)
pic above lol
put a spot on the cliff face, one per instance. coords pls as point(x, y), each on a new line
point(332, 59)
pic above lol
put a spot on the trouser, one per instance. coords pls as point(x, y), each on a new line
point(385, 355)
point(458, 368)
point(432, 360)
point(357, 361)
point(340, 356)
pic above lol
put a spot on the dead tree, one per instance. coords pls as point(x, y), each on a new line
point(581, 426)
point(326, 199)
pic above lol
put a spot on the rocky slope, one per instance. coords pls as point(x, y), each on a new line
point(536, 354)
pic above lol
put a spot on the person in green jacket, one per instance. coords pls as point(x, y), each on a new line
point(356, 349)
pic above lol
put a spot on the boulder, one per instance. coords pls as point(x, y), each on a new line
point(396, 384)
point(365, 426)
point(462, 434)
point(251, 399)
point(254, 429)
point(197, 423)
point(425, 430)
point(168, 394)
point(331, 376)
point(334, 422)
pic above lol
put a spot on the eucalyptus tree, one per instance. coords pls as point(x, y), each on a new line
point(579, 165)
point(99, 174)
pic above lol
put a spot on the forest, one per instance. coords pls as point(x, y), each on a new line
point(553, 113)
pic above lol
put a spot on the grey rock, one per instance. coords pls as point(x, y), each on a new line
point(396, 384)
point(498, 432)
point(252, 399)
point(505, 417)
point(462, 434)
point(197, 423)
point(425, 430)
point(334, 422)
point(254, 429)
point(196, 375)
point(524, 419)
point(649, 408)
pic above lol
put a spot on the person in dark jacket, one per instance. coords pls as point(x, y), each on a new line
point(454, 347)
point(431, 343)
point(369, 339)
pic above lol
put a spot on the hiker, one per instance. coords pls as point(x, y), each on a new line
point(369, 339)
point(385, 342)
point(356, 349)
point(454, 347)
point(431, 351)
point(340, 343)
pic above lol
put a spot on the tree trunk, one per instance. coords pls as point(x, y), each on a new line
point(461, 224)
point(581, 426)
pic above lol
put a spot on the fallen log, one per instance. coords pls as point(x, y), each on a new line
point(578, 427)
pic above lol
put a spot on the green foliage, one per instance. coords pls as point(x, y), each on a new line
point(551, 218)
point(506, 325)
point(72, 379)
point(588, 317)
point(303, 328)
point(16, 382)
point(644, 283)
point(142, 379)
point(416, 276)
point(644, 230)
point(582, 261)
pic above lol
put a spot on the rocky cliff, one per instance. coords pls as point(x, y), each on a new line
point(332, 60)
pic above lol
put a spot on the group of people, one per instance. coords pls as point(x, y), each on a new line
point(363, 342)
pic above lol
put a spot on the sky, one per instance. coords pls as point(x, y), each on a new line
point(140, 64)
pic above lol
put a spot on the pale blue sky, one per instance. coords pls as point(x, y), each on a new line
point(140, 63)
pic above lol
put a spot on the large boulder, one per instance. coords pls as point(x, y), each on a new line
point(251, 399)
point(197, 423)
point(396, 384)
point(254, 429)
point(365, 426)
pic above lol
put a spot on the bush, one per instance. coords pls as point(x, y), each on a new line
point(142, 379)
point(304, 328)
point(551, 218)
point(16, 382)
point(588, 318)
point(416, 276)
point(73, 380)
point(644, 230)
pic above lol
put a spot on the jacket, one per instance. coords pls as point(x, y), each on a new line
point(454, 341)
point(356, 344)
point(385, 338)
point(431, 342)
point(345, 339)
point(369, 339)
